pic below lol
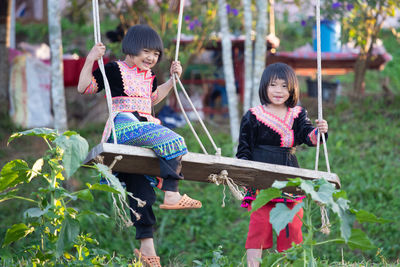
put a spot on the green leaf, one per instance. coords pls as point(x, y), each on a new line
point(103, 187)
point(16, 232)
point(279, 184)
point(13, 173)
point(359, 240)
point(84, 194)
point(341, 208)
point(325, 193)
point(36, 169)
point(365, 216)
point(70, 133)
point(281, 215)
point(35, 212)
point(294, 182)
point(264, 197)
point(115, 183)
point(340, 194)
point(309, 189)
point(69, 231)
point(75, 150)
point(49, 134)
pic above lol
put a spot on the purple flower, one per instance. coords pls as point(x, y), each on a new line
point(187, 18)
point(349, 7)
point(192, 26)
point(228, 8)
point(303, 23)
point(196, 22)
point(336, 5)
point(235, 12)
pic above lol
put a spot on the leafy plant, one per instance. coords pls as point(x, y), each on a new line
point(218, 260)
point(324, 194)
point(52, 230)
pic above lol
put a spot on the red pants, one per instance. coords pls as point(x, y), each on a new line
point(260, 229)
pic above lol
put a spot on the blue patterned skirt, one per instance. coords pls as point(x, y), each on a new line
point(162, 140)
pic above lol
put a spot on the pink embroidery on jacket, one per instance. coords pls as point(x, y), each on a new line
point(281, 127)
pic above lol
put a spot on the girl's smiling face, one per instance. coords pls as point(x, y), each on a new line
point(278, 92)
point(146, 59)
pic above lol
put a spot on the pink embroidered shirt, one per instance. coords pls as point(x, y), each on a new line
point(132, 90)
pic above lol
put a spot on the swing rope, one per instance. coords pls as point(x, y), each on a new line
point(97, 39)
point(175, 78)
point(324, 214)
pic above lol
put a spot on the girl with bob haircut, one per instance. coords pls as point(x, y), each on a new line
point(139, 37)
point(135, 91)
point(269, 133)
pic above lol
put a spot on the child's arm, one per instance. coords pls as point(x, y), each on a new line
point(85, 76)
point(163, 89)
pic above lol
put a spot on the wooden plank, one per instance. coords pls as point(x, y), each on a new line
point(197, 167)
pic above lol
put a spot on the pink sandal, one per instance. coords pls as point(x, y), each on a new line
point(147, 261)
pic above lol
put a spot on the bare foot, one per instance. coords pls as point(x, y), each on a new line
point(171, 198)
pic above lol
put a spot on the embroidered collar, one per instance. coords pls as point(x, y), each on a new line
point(136, 82)
point(281, 127)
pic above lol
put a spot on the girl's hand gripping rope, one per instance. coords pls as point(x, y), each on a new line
point(176, 68)
point(96, 52)
point(322, 126)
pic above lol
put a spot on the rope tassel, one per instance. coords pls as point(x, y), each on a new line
point(121, 204)
point(222, 178)
point(325, 227)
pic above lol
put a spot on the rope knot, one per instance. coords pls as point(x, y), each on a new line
point(222, 178)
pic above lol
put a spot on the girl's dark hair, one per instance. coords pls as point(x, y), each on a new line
point(279, 71)
point(139, 37)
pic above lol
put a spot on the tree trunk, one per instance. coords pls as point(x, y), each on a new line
point(248, 55)
point(361, 65)
point(360, 69)
point(228, 70)
point(260, 49)
point(57, 80)
point(5, 7)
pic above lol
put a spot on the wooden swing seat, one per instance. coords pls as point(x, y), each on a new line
point(197, 167)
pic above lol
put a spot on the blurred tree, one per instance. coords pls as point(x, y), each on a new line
point(228, 69)
point(57, 81)
point(248, 54)
point(260, 49)
point(362, 22)
point(5, 7)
